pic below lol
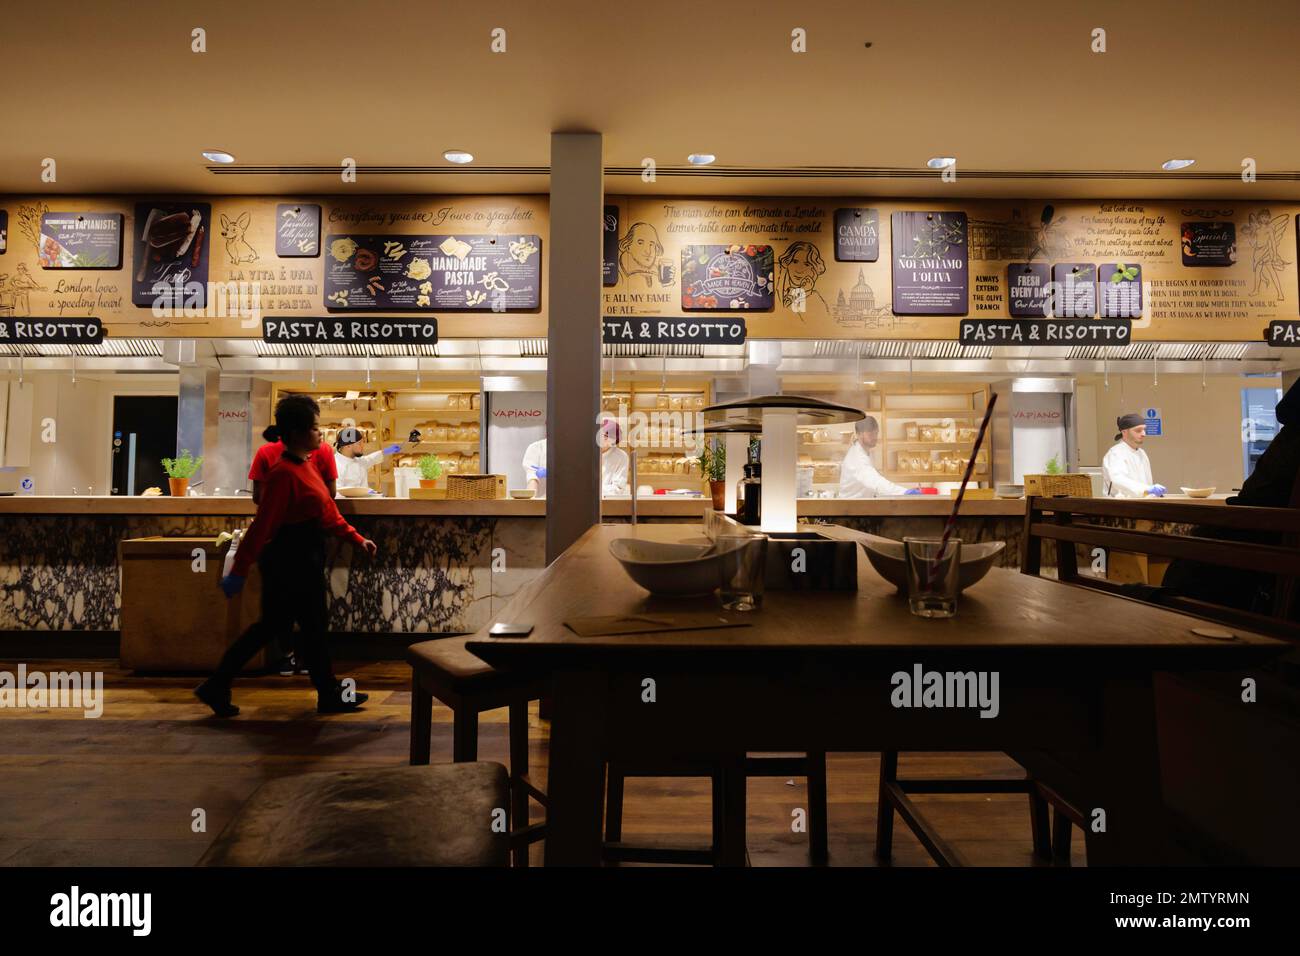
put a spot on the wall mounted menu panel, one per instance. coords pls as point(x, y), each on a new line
point(171, 245)
point(930, 274)
point(414, 272)
point(609, 246)
point(722, 278)
point(1209, 243)
point(297, 230)
point(1074, 292)
point(81, 240)
point(1121, 290)
point(1029, 290)
point(857, 235)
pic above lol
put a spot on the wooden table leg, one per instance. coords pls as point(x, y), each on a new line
point(818, 852)
point(421, 721)
point(735, 797)
point(576, 777)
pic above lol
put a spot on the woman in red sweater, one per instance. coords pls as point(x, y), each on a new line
point(287, 540)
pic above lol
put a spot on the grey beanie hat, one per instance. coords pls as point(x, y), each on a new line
point(1125, 422)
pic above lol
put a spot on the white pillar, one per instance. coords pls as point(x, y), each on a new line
point(780, 453)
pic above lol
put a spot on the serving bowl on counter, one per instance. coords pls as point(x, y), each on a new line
point(355, 492)
point(1011, 491)
point(523, 493)
point(887, 557)
point(669, 570)
point(1198, 492)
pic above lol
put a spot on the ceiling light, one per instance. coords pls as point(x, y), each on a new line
point(458, 156)
point(1176, 163)
point(870, 381)
point(217, 156)
point(700, 159)
point(941, 162)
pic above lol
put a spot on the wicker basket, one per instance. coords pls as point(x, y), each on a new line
point(1054, 486)
point(476, 487)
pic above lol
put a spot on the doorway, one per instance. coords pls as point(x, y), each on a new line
point(144, 433)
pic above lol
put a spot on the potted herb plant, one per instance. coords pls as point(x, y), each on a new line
point(180, 470)
point(430, 471)
point(713, 466)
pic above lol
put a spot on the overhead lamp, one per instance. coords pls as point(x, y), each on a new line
point(700, 159)
point(458, 156)
point(941, 162)
point(1172, 164)
point(218, 156)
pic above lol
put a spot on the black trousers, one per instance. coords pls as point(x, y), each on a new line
point(293, 591)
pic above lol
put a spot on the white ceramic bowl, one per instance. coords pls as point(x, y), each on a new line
point(1198, 492)
point(355, 492)
point(674, 570)
point(1011, 491)
point(523, 493)
point(886, 556)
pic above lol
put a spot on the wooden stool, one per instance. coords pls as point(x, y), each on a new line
point(894, 795)
point(729, 807)
point(468, 685)
point(398, 816)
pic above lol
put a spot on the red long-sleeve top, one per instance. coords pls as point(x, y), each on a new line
point(294, 492)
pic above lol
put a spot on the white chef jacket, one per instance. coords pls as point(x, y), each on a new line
point(613, 468)
point(534, 458)
point(1127, 471)
point(860, 479)
point(355, 472)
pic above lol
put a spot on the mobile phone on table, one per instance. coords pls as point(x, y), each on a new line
point(502, 629)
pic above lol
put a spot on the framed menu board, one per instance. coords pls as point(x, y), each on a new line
point(857, 235)
point(1029, 293)
point(1121, 291)
point(297, 230)
point(609, 247)
point(722, 278)
point(1209, 243)
point(449, 273)
point(172, 240)
point(80, 240)
point(930, 275)
point(1075, 288)
point(4, 231)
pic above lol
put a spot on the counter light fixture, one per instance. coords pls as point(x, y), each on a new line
point(218, 156)
point(458, 156)
point(700, 159)
point(1172, 164)
point(941, 162)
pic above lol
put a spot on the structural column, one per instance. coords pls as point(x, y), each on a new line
point(573, 339)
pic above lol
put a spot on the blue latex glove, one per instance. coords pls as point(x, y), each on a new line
point(232, 584)
point(912, 491)
point(1157, 490)
point(392, 449)
point(540, 472)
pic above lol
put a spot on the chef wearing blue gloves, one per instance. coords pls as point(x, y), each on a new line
point(353, 466)
point(1126, 467)
point(535, 467)
point(859, 477)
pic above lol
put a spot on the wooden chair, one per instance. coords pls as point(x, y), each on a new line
point(1079, 521)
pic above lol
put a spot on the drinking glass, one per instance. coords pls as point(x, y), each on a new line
point(932, 577)
point(741, 567)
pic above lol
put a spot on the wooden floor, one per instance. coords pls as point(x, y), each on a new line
point(121, 790)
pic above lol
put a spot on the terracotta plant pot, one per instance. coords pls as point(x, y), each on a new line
point(718, 489)
point(179, 486)
point(428, 482)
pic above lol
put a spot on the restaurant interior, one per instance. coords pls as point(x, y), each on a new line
point(906, 481)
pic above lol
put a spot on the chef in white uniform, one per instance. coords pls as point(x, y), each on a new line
point(535, 467)
point(354, 467)
point(1126, 467)
point(859, 477)
point(613, 460)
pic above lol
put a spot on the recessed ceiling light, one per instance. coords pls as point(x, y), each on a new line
point(458, 156)
point(941, 162)
point(217, 156)
point(1176, 163)
point(700, 159)
point(871, 381)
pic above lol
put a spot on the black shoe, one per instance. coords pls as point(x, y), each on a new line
point(333, 703)
point(286, 667)
point(300, 667)
point(218, 698)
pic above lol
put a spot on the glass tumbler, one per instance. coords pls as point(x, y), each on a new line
point(931, 577)
point(742, 564)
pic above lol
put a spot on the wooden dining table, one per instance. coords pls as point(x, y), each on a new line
point(819, 671)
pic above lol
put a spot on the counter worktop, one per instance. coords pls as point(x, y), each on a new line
point(243, 505)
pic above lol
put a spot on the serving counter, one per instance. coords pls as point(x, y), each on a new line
point(442, 567)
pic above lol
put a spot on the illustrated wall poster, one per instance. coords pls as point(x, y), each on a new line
point(1121, 291)
point(414, 272)
point(857, 235)
point(171, 245)
point(4, 231)
point(297, 230)
point(930, 275)
point(718, 278)
point(1074, 288)
point(1029, 290)
point(1209, 243)
point(80, 240)
point(609, 246)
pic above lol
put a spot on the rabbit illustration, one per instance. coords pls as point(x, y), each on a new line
point(232, 230)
